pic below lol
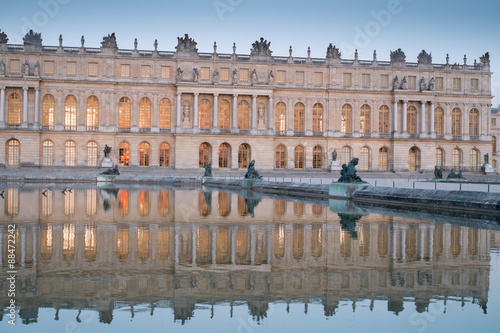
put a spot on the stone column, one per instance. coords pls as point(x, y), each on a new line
point(270, 111)
point(254, 112)
point(404, 116)
point(394, 243)
point(216, 111)
point(178, 111)
point(422, 235)
point(395, 111)
point(195, 111)
point(431, 119)
point(37, 106)
point(214, 245)
point(2, 106)
point(194, 245)
point(25, 108)
point(35, 244)
point(235, 111)
point(422, 117)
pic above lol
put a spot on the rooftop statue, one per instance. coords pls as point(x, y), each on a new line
point(109, 41)
point(424, 58)
point(261, 48)
point(251, 172)
point(111, 171)
point(348, 172)
point(398, 56)
point(208, 170)
point(33, 38)
point(332, 52)
point(3, 38)
point(485, 59)
point(186, 44)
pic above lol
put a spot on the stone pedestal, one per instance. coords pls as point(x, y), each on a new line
point(107, 162)
point(248, 183)
point(345, 190)
point(488, 168)
point(335, 166)
point(105, 178)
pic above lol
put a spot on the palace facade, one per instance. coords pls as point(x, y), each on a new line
point(59, 106)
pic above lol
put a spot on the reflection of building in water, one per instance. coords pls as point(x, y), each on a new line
point(289, 251)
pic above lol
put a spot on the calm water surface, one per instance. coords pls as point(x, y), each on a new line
point(129, 259)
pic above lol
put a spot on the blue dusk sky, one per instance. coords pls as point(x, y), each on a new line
point(456, 27)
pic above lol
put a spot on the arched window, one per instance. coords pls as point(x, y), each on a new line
point(243, 156)
point(243, 116)
point(414, 159)
point(204, 114)
point(474, 122)
point(144, 154)
point(92, 111)
point(346, 154)
point(48, 110)
point(383, 159)
point(164, 154)
point(124, 154)
point(346, 121)
point(205, 151)
point(92, 153)
point(70, 153)
point(280, 157)
point(13, 152)
point(224, 155)
point(456, 122)
point(165, 106)
point(411, 119)
point(298, 117)
point(318, 157)
point(456, 156)
point(280, 124)
point(124, 112)
point(224, 120)
point(70, 113)
point(299, 157)
point(47, 153)
point(383, 119)
point(439, 121)
point(365, 119)
point(474, 159)
point(440, 158)
point(14, 109)
point(145, 112)
point(364, 159)
point(317, 117)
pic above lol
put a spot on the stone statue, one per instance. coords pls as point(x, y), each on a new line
point(251, 204)
point(424, 58)
point(348, 172)
point(156, 44)
point(398, 56)
point(270, 78)
point(185, 113)
point(261, 48)
point(432, 84)
point(261, 115)
point(332, 52)
point(404, 84)
point(2, 68)
point(195, 74)
point(334, 155)
point(208, 170)
point(208, 198)
point(111, 171)
point(216, 75)
point(33, 38)
point(395, 83)
point(487, 158)
point(178, 74)
point(251, 172)
point(485, 58)
point(235, 76)
point(438, 172)
point(26, 70)
point(109, 41)
point(454, 175)
point(37, 69)
point(254, 76)
point(186, 44)
point(3, 37)
point(107, 150)
point(60, 40)
point(422, 84)
point(83, 40)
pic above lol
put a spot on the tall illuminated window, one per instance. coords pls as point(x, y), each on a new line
point(383, 159)
point(317, 157)
point(163, 199)
point(243, 156)
point(15, 66)
point(205, 114)
point(384, 81)
point(47, 153)
point(165, 72)
point(456, 157)
point(70, 153)
point(70, 68)
point(244, 75)
point(123, 154)
point(243, 115)
point(143, 202)
point(411, 119)
point(224, 74)
point(299, 77)
point(92, 153)
point(125, 70)
point(224, 120)
point(124, 112)
point(224, 155)
point(299, 117)
point(280, 157)
point(144, 154)
point(440, 158)
point(92, 111)
point(123, 202)
point(145, 71)
point(48, 110)
point(346, 154)
point(414, 159)
point(48, 67)
point(317, 117)
point(365, 119)
point(457, 84)
point(280, 116)
point(364, 159)
point(456, 122)
point(383, 122)
point(93, 68)
point(281, 76)
point(365, 80)
point(439, 121)
point(70, 113)
point(205, 73)
point(474, 122)
point(299, 157)
point(347, 79)
point(14, 109)
point(165, 106)
point(13, 152)
point(205, 152)
point(474, 160)
point(145, 112)
point(164, 154)
point(346, 120)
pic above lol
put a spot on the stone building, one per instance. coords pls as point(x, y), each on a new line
point(495, 131)
point(61, 105)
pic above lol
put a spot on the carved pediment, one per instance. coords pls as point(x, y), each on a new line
point(424, 58)
point(398, 56)
point(33, 38)
point(186, 44)
point(109, 41)
point(3, 37)
point(332, 52)
point(485, 58)
point(261, 48)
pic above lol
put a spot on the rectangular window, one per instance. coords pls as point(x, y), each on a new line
point(281, 77)
point(93, 69)
point(439, 83)
point(48, 67)
point(299, 77)
point(474, 85)
point(493, 121)
point(15, 66)
point(347, 79)
point(244, 74)
point(205, 73)
point(70, 68)
point(384, 81)
point(165, 72)
point(145, 71)
point(224, 74)
point(457, 84)
point(125, 70)
point(412, 82)
point(365, 80)
point(318, 78)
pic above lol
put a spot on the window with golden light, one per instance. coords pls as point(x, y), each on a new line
point(384, 81)
point(364, 241)
point(440, 158)
point(163, 202)
point(383, 240)
point(224, 74)
point(205, 152)
point(144, 154)
point(205, 73)
point(456, 122)
point(224, 155)
point(91, 201)
point(204, 114)
point(346, 120)
point(70, 113)
point(299, 117)
point(243, 156)
point(224, 204)
point(412, 82)
point(143, 202)
point(383, 122)
point(364, 159)
point(145, 112)
point(224, 117)
point(457, 84)
point(437, 237)
point(93, 68)
point(48, 110)
point(223, 246)
point(456, 241)
point(68, 246)
point(456, 157)
point(12, 203)
point(279, 241)
point(280, 157)
point(242, 240)
point(165, 108)
point(411, 119)
point(69, 203)
point(69, 153)
point(281, 76)
point(125, 70)
point(299, 157)
point(123, 202)
point(46, 241)
point(244, 75)
point(165, 72)
point(243, 115)
point(123, 154)
point(124, 112)
point(47, 153)
point(316, 239)
point(298, 208)
point(383, 159)
point(163, 243)
point(299, 77)
point(48, 67)
point(14, 109)
point(15, 66)
point(92, 111)
point(145, 71)
point(279, 207)
point(164, 155)
point(439, 121)
point(474, 160)
point(317, 117)
point(203, 245)
point(280, 116)
point(318, 78)
point(242, 206)
point(439, 83)
point(70, 68)
point(365, 119)
point(414, 159)
point(143, 238)
point(92, 153)
point(13, 152)
point(298, 241)
point(474, 122)
point(347, 79)
point(365, 80)
point(204, 209)
point(346, 154)
point(474, 85)
point(345, 244)
point(411, 243)
point(122, 241)
point(317, 157)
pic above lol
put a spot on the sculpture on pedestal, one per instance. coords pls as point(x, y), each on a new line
point(107, 150)
point(438, 172)
point(251, 172)
point(208, 170)
point(454, 175)
point(111, 171)
point(334, 155)
point(348, 172)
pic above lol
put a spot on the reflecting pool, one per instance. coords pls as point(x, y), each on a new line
point(164, 259)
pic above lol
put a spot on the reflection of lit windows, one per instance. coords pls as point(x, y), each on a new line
point(203, 207)
point(203, 246)
point(364, 241)
point(316, 240)
point(163, 243)
point(298, 241)
point(123, 202)
point(143, 202)
point(473, 240)
point(224, 204)
point(46, 242)
point(12, 201)
point(223, 246)
point(122, 243)
point(91, 201)
point(279, 207)
point(383, 241)
point(90, 242)
point(242, 246)
point(47, 203)
point(242, 206)
point(143, 242)
point(455, 240)
point(279, 241)
point(69, 203)
point(345, 244)
point(163, 202)
point(68, 242)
